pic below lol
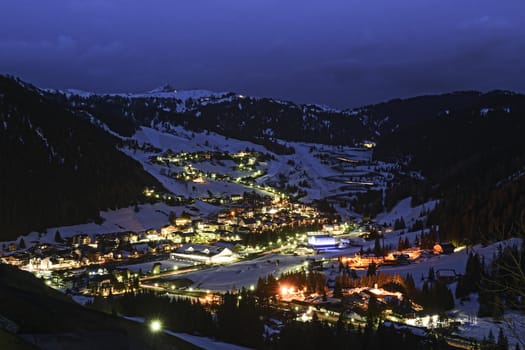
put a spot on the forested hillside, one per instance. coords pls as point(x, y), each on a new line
point(473, 159)
point(57, 169)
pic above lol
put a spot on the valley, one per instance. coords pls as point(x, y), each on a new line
point(293, 230)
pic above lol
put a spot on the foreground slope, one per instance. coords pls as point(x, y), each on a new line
point(50, 320)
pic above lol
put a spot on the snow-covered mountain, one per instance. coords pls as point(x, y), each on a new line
point(231, 114)
point(425, 148)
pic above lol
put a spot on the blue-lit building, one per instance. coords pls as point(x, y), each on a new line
point(321, 241)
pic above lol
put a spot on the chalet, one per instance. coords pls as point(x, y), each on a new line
point(167, 230)
point(81, 239)
point(236, 197)
point(208, 235)
point(103, 285)
point(41, 249)
point(250, 223)
point(446, 275)
point(12, 247)
point(368, 144)
point(133, 237)
point(206, 254)
point(183, 220)
point(211, 226)
point(401, 259)
point(228, 236)
point(225, 218)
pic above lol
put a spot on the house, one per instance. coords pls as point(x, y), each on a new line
point(250, 223)
point(368, 144)
point(236, 197)
point(211, 226)
point(443, 248)
point(320, 241)
point(81, 239)
point(446, 275)
point(17, 259)
point(103, 285)
point(12, 247)
point(225, 219)
point(167, 230)
point(183, 220)
point(206, 254)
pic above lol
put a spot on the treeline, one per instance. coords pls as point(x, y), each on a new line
point(369, 203)
point(485, 216)
point(274, 235)
point(268, 287)
point(239, 320)
point(57, 169)
point(181, 315)
point(434, 296)
point(236, 319)
point(403, 186)
point(499, 284)
point(270, 118)
point(316, 335)
point(258, 120)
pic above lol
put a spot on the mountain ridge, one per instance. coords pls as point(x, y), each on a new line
point(464, 140)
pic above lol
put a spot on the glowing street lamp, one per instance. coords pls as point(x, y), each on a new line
point(155, 326)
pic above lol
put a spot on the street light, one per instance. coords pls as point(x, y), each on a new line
point(155, 326)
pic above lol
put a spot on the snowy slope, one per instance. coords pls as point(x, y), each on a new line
point(404, 210)
point(328, 171)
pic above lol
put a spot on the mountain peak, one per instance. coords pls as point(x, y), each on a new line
point(164, 88)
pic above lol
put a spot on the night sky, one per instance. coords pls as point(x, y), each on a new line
point(342, 53)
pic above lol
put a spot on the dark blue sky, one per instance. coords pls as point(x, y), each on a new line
point(336, 52)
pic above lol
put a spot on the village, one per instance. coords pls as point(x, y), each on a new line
point(188, 237)
point(251, 230)
point(233, 223)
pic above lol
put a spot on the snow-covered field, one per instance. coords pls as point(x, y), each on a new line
point(242, 274)
point(202, 342)
point(206, 343)
point(403, 210)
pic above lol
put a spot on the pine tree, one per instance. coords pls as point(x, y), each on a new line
point(491, 339)
point(372, 268)
point(22, 244)
point(373, 311)
point(460, 288)
point(338, 291)
point(431, 274)
point(377, 247)
point(498, 308)
point(400, 244)
point(172, 218)
point(58, 237)
point(503, 342)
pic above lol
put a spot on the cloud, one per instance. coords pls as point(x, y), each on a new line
point(338, 52)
